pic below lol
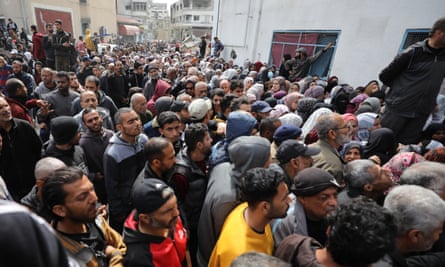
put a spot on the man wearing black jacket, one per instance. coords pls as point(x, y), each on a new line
point(414, 77)
point(62, 47)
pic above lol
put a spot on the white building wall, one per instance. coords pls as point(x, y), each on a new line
point(371, 31)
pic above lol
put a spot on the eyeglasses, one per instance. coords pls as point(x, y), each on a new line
point(343, 127)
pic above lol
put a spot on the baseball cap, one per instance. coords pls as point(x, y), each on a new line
point(177, 106)
point(285, 132)
point(291, 148)
point(261, 106)
point(86, 58)
point(150, 194)
point(199, 108)
point(312, 181)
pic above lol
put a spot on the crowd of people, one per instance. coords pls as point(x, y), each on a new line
point(140, 156)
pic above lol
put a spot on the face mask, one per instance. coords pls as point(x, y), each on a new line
point(270, 75)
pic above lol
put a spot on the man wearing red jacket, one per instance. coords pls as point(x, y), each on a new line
point(37, 44)
point(153, 232)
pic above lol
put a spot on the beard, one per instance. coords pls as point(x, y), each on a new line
point(82, 218)
point(343, 139)
point(157, 224)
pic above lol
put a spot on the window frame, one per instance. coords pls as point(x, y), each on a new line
point(408, 32)
point(324, 62)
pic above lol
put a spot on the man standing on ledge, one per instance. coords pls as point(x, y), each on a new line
point(414, 77)
point(61, 45)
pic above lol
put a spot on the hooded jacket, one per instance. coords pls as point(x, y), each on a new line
point(161, 89)
point(239, 123)
point(122, 164)
point(245, 152)
point(89, 41)
point(154, 251)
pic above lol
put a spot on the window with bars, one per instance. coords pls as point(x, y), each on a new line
point(413, 36)
point(286, 42)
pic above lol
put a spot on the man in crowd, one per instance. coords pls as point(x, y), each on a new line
point(293, 157)
point(190, 178)
point(65, 143)
point(160, 160)
point(123, 160)
point(37, 44)
point(69, 197)
point(60, 99)
point(92, 83)
point(363, 177)
point(298, 67)
point(360, 233)
point(48, 46)
point(20, 152)
point(138, 103)
point(153, 231)
point(61, 45)
point(316, 192)
point(94, 141)
point(47, 84)
point(333, 132)
point(419, 215)
point(170, 128)
point(267, 197)
point(117, 86)
point(33, 200)
point(414, 77)
point(223, 189)
point(26, 78)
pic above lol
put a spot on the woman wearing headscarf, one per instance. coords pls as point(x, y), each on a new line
point(309, 125)
point(352, 120)
point(257, 90)
point(305, 106)
point(370, 104)
point(291, 119)
point(279, 110)
point(367, 122)
point(399, 162)
point(316, 92)
point(355, 102)
point(351, 151)
point(291, 101)
point(381, 143)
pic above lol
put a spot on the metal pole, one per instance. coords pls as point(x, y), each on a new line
point(25, 21)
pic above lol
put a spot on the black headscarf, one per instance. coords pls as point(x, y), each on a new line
point(381, 142)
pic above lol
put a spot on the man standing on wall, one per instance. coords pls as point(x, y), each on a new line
point(61, 45)
point(415, 77)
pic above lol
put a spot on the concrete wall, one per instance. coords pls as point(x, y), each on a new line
point(371, 31)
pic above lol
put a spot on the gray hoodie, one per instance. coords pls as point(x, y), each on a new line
point(245, 152)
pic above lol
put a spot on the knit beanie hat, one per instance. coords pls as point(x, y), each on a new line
point(63, 129)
